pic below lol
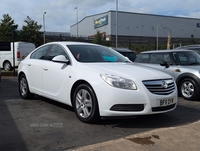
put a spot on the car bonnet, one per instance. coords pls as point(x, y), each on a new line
point(126, 70)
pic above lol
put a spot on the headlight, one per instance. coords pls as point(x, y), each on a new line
point(119, 82)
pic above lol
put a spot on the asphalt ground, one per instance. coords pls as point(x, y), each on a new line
point(181, 138)
point(42, 124)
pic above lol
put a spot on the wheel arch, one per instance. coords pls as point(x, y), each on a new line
point(7, 61)
point(19, 74)
point(28, 94)
point(94, 113)
point(22, 73)
point(75, 85)
point(187, 75)
point(10, 62)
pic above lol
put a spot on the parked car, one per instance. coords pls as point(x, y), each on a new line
point(182, 65)
point(22, 49)
point(96, 80)
point(126, 52)
point(195, 47)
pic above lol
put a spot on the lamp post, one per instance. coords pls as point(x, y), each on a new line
point(13, 45)
point(76, 20)
point(44, 25)
point(116, 21)
point(157, 36)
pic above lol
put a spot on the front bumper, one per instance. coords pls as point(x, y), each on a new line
point(121, 102)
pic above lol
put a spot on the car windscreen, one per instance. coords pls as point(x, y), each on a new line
point(94, 53)
point(186, 58)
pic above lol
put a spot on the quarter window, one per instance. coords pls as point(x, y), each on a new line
point(40, 53)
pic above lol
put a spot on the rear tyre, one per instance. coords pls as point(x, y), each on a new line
point(24, 88)
point(85, 104)
point(7, 66)
point(188, 89)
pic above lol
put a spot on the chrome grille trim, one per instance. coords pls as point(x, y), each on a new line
point(160, 87)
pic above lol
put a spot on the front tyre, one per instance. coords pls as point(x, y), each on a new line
point(188, 89)
point(24, 88)
point(85, 104)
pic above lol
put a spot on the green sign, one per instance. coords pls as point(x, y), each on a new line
point(101, 22)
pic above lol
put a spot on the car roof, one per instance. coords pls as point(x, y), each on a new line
point(122, 49)
point(188, 46)
point(70, 43)
point(170, 50)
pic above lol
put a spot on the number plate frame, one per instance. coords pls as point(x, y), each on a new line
point(165, 102)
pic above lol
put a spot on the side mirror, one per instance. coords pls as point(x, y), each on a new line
point(164, 63)
point(60, 59)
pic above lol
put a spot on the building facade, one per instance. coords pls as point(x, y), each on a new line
point(137, 28)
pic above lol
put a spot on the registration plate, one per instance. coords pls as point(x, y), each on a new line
point(165, 102)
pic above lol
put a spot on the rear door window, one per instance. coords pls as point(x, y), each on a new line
point(157, 58)
point(55, 51)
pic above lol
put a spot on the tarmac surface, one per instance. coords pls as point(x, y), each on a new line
point(183, 137)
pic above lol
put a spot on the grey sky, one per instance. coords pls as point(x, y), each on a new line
point(61, 14)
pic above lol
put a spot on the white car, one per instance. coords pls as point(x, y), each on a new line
point(21, 49)
point(96, 80)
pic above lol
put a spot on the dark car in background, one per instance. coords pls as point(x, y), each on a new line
point(195, 47)
point(127, 53)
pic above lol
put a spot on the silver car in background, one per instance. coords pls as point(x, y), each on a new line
point(195, 47)
point(182, 65)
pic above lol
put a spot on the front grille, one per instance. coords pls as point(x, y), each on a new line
point(127, 107)
point(163, 108)
point(160, 87)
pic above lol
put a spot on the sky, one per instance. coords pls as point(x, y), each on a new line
point(61, 14)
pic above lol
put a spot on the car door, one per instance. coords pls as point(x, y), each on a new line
point(34, 67)
point(55, 75)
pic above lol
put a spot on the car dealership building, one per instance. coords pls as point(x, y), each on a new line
point(137, 28)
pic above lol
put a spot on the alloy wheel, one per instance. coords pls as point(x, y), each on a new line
point(83, 103)
point(187, 89)
point(23, 86)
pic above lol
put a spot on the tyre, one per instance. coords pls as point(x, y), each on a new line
point(85, 104)
point(188, 89)
point(7, 66)
point(24, 88)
